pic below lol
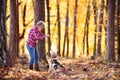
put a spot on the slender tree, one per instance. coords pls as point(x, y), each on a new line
point(118, 25)
point(66, 32)
point(86, 31)
point(24, 25)
point(3, 45)
point(95, 23)
point(100, 28)
point(39, 14)
point(48, 20)
point(17, 27)
point(75, 26)
point(110, 56)
point(24, 15)
point(59, 31)
point(13, 25)
point(105, 26)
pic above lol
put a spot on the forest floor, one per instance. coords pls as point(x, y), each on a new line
point(74, 70)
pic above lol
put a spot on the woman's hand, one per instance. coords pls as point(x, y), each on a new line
point(47, 35)
point(37, 41)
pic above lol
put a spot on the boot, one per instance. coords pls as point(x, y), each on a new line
point(37, 67)
point(31, 67)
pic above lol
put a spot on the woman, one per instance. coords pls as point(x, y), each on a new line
point(34, 35)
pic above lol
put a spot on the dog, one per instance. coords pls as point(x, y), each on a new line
point(54, 64)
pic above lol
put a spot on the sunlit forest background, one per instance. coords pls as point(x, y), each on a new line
point(84, 35)
point(26, 9)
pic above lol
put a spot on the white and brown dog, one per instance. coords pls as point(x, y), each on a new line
point(54, 64)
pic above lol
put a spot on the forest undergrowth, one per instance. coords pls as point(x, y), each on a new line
point(74, 70)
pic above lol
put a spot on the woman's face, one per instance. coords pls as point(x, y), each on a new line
point(40, 28)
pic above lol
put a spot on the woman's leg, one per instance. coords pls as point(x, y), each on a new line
point(36, 60)
point(36, 55)
point(32, 54)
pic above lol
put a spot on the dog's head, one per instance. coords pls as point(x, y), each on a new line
point(55, 63)
point(53, 54)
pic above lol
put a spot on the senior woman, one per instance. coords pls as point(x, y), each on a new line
point(34, 35)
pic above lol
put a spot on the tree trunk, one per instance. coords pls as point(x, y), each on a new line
point(39, 14)
point(100, 28)
point(67, 53)
point(105, 28)
point(110, 56)
point(86, 31)
point(13, 25)
point(95, 23)
point(67, 23)
point(59, 31)
point(24, 25)
point(118, 25)
point(3, 45)
point(66, 31)
point(17, 27)
point(48, 20)
point(75, 26)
